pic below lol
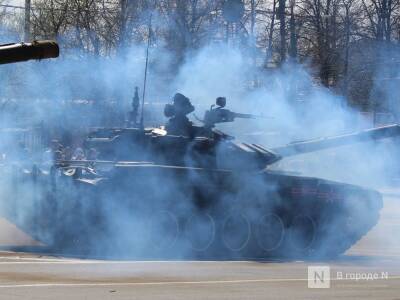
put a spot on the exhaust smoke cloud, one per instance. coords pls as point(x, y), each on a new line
point(294, 107)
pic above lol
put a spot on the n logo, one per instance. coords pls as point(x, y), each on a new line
point(319, 277)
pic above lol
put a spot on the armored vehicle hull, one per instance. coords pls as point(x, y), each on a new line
point(181, 212)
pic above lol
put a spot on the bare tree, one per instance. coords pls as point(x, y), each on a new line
point(3, 12)
point(341, 38)
point(188, 23)
point(381, 18)
point(50, 18)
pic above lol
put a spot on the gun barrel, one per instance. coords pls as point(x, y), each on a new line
point(249, 116)
point(307, 146)
point(244, 116)
point(11, 53)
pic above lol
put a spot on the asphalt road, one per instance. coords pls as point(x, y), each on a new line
point(376, 257)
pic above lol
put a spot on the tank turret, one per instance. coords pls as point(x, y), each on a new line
point(18, 52)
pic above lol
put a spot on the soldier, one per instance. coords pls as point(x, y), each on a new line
point(135, 108)
point(179, 124)
point(79, 154)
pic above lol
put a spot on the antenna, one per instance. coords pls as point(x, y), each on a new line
point(145, 73)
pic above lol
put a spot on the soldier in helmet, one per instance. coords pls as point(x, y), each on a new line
point(178, 123)
point(135, 108)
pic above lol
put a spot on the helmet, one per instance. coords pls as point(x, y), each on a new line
point(182, 104)
point(221, 101)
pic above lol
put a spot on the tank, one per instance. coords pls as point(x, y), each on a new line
point(203, 195)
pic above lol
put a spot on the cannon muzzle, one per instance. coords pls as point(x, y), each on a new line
point(11, 53)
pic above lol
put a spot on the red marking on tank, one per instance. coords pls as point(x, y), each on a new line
point(329, 196)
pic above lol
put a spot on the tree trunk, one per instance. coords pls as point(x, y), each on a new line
point(347, 50)
point(293, 37)
point(122, 25)
point(271, 34)
point(27, 25)
point(282, 29)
